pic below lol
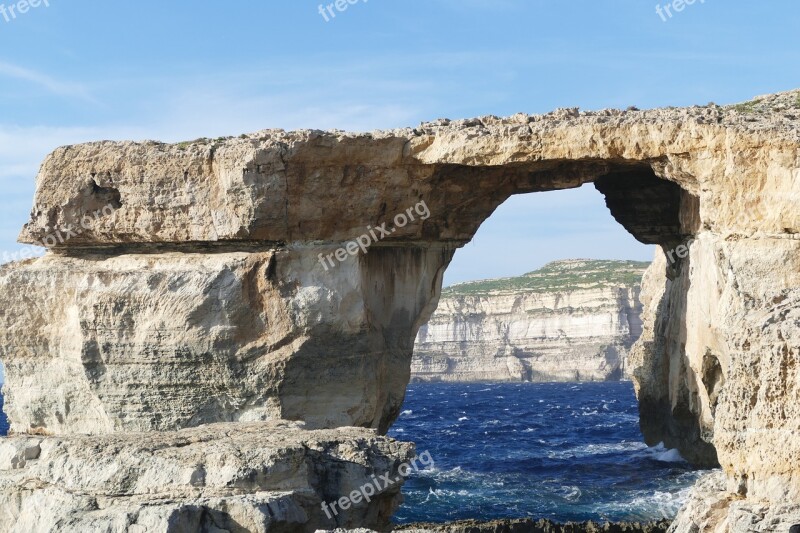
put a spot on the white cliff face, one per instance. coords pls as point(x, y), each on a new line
point(571, 321)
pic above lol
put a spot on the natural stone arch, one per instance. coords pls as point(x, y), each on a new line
point(267, 192)
point(210, 261)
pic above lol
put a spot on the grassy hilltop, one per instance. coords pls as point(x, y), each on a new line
point(558, 276)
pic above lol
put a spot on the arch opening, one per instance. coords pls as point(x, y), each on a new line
point(654, 211)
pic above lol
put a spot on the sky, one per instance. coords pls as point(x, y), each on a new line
point(80, 70)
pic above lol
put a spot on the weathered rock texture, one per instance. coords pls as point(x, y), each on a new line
point(222, 477)
point(197, 297)
point(139, 342)
point(714, 509)
point(572, 320)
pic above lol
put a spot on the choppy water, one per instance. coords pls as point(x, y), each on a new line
point(561, 451)
point(3, 419)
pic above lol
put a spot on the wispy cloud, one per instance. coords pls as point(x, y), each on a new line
point(48, 83)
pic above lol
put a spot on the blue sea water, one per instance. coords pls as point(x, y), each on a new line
point(3, 419)
point(565, 451)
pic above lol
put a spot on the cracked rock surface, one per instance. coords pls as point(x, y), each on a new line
point(265, 476)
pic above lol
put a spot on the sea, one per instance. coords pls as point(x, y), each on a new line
point(564, 451)
point(3, 419)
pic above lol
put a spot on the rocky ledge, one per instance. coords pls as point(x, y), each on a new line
point(714, 509)
point(572, 320)
point(256, 477)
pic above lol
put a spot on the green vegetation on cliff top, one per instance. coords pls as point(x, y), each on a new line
point(558, 276)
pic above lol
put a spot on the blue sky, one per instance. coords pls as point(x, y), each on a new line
point(83, 70)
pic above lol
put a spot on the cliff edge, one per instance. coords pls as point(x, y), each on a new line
point(572, 320)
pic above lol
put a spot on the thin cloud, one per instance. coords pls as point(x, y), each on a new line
point(51, 85)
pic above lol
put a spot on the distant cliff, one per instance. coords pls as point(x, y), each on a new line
point(571, 320)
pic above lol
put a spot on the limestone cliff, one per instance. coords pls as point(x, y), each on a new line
point(193, 286)
point(572, 320)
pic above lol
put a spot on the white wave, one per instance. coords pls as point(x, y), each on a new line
point(670, 456)
point(647, 505)
point(625, 417)
point(570, 493)
point(597, 449)
point(463, 418)
point(444, 493)
point(661, 453)
point(407, 412)
point(462, 477)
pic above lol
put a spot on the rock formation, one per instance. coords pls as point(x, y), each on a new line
point(572, 320)
point(221, 282)
point(260, 476)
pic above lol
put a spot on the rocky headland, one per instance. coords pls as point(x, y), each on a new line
point(184, 356)
point(572, 320)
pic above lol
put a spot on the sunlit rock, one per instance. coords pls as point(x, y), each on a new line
point(286, 275)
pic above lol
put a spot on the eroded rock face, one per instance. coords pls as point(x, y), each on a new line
point(255, 477)
point(713, 509)
point(198, 293)
point(104, 343)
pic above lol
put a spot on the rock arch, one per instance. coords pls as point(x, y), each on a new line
point(207, 284)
